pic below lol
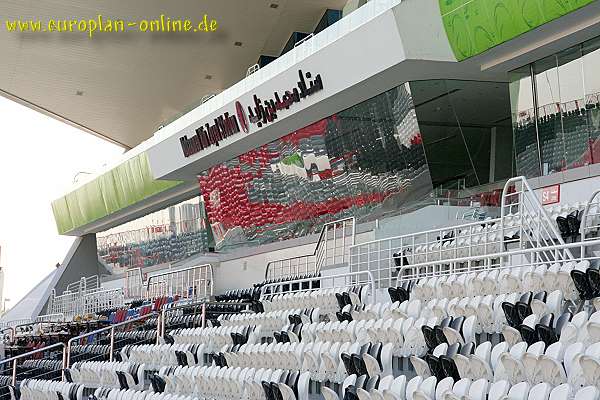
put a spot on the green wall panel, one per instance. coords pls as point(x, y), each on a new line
point(474, 26)
point(121, 187)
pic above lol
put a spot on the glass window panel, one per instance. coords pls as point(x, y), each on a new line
point(576, 139)
point(549, 122)
point(480, 108)
point(445, 148)
point(523, 121)
point(591, 78)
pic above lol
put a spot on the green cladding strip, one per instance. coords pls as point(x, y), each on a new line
point(123, 186)
point(474, 26)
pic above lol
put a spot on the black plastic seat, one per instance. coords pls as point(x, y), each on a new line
point(276, 391)
point(467, 349)
point(371, 383)
point(359, 364)
point(563, 227)
point(545, 331)
point(523, 306)
point(348, 364)
point(268, 390)
point(435, 366)
point(430, 337)
point(593, 275)
point(582, 284)
point(439, 330)
point(528, 334)
point(510, 313)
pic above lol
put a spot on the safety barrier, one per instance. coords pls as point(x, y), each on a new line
point(519, 258)
point(105, 334)
point(99, 300)
point(338, 281)
point(188, 283)
point(333, 246)
point(590, 221)
point(44, 352)
point(523, 223)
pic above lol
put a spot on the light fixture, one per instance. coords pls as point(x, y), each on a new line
point(238, 44)
point(274, 5)
point(208, 77)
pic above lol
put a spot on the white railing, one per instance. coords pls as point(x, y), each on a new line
point(535, 227)
point(188, 283)
point(333, 247)
point(82, 297)
point(15, 322)
point(89, 283)
point(518, 258)
point(134, 287)
point(68, 304)
point(523, 223)
point(99, 300)
point(50, 318)
point(339, 281)
point(253, 69)
point(590, 221)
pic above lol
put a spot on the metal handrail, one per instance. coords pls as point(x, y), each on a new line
point(370, 282)
point(173, 272)
point(305, 39)
point(105, 329)
point(437, 230)
point(583, 227)
point(15, 359)
point(201, 304)
point(324, 231)
point(459, 260)
point(542, 214)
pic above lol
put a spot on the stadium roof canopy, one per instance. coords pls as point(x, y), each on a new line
point(123, 86)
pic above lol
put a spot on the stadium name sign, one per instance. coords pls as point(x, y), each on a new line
point(261, 113)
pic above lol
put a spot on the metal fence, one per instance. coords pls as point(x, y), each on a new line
point(189, 283)
point(332, 248)
point(523, 223)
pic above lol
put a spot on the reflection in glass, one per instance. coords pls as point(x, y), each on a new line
point(575, 132)
point(523, 119)
point(591, 78)
point(366, 161)
point(549, 122)
point(466, 132)
point(165, 236)
point(567, 104)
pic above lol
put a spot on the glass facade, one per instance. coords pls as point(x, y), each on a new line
point(366, 161)
point(168, 235)
point(379, 158)
point(466, 131)
point(556, 111)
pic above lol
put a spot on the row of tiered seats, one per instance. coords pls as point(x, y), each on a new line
point(354, 350)
point(521, 333)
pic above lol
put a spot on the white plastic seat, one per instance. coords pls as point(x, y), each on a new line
point(520, 391)
point(426, 390)
point(561, 392)
point(479, 389)
point(444, 386)
point(541, 391)
point(498, 390)
point(587, 393)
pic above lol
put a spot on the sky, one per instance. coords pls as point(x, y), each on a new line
point(39, 158)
